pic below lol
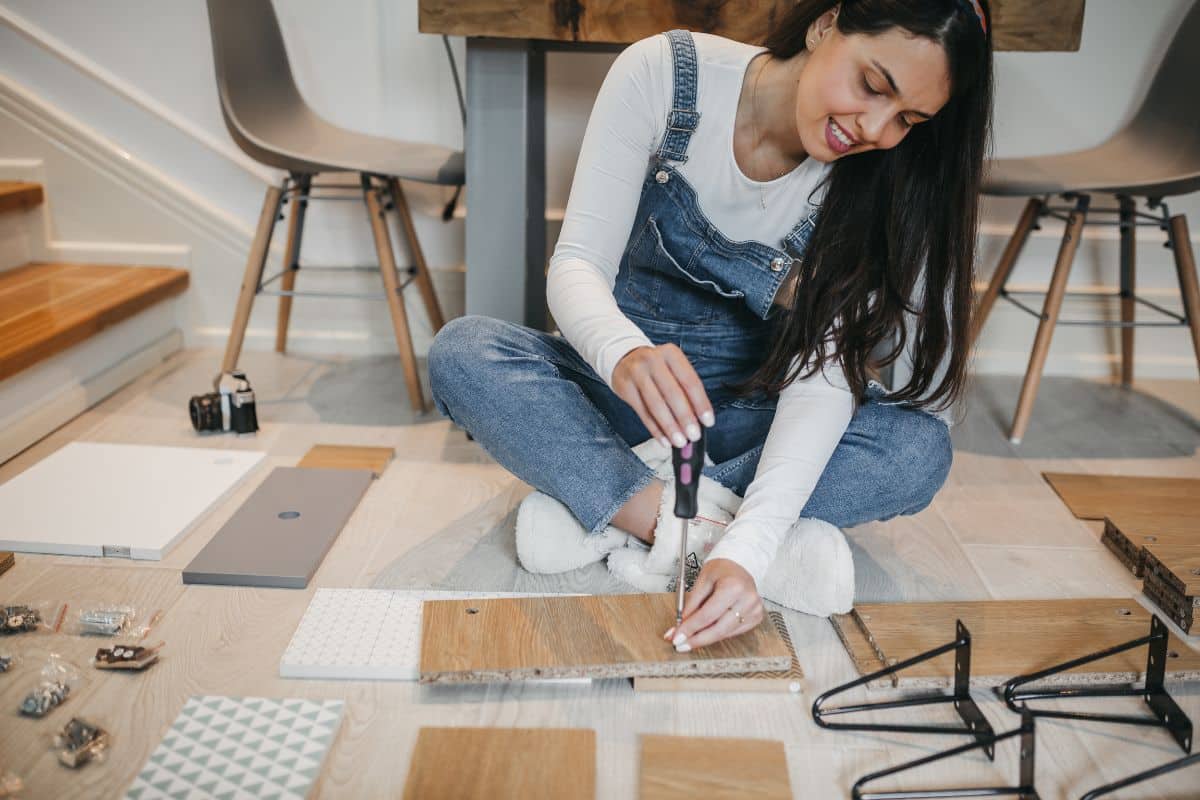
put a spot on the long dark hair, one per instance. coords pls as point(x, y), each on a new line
point(893, 220)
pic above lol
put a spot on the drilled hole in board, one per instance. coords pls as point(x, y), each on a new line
point(1151, 539)
point(1172, 654)
point(472, 610)
point(1196, 571)
point(289, 514)
point(1124, 612)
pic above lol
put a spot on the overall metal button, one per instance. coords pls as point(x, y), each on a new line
point(661, 176)
point(777, 264)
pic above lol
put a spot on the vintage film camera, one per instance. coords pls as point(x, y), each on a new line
point(230, 408)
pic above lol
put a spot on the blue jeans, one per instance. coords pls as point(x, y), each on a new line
point(544, 414)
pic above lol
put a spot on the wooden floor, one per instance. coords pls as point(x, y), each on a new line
point(441, 516)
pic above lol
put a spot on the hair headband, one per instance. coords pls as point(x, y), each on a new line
point(973, 5)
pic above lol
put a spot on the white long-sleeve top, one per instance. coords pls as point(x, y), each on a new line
point(626, 128)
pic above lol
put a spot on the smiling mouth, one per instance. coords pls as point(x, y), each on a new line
point(840, 135)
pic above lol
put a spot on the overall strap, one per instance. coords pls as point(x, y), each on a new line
point(682, 120)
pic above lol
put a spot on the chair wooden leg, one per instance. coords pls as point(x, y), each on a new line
point(1027, 222)
point(253, 274)
point(424, 281)
point(1053, 304)
point(1128, 285)
point(1185, 265)
point(395, 300)
point(291, 259)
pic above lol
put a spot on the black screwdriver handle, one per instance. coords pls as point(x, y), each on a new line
point(688, 461)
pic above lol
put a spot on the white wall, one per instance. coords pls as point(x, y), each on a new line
point(362, 64)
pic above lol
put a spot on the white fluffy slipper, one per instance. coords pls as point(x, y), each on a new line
point(550, 539)
point(813, 572)
point(655, 570)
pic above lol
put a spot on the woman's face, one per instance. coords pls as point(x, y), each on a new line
point(858, 93)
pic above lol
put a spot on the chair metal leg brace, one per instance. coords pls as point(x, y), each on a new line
point(1167, 713)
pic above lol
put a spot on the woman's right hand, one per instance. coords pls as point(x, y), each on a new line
point(663, 388)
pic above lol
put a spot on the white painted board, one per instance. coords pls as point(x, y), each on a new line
point(134, 501)
point(367, 634)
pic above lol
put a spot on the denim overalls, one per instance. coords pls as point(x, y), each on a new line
point(544, 414)
point(680, 279)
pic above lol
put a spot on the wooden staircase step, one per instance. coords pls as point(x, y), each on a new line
point(19, 195)
point(46, 308)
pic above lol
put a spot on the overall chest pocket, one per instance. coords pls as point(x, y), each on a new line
point(684, 255)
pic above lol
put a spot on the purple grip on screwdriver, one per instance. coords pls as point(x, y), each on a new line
point(685, 474)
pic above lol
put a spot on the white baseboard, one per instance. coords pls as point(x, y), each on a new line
point(37, 401)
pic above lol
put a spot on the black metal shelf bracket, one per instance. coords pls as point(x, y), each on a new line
point(1024, 790)
point(1167, 713)
point(1162, 769)
point(974, 723)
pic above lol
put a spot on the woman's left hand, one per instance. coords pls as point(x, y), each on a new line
point(723, 602)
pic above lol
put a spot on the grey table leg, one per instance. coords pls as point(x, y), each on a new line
point(506, 180)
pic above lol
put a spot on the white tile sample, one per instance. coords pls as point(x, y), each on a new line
point(240, 747)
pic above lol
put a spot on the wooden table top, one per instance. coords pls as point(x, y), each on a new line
point(1029, 25)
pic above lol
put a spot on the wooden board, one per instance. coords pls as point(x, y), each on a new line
point(593, 636)
point(1127, 533)
point(1179, 609)
point(1100, 496)
point(490, 763)
point(1177, 565)
point(19, 195)
point(1017, 24)
point(336, 456)
point(6, 560)
point(689, 768)
point(46, 308)
point(784, 680)
point(1008, 638)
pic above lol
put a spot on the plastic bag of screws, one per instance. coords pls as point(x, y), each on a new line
point(126, 656)
point(79, 742)
point(105, 619)
point(22, 618)
point(7, 662)
point(58, 679)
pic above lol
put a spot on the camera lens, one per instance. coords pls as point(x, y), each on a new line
point(206, 412)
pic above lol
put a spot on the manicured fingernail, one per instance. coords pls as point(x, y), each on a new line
point(693, 432)
point(683, 648)
point(665, 442)
point(679, 639)
point(678, 439)
point(667, 635)
point(708, 419)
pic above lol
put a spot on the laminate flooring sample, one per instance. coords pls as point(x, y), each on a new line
point(118, 500)
point(6, 561)
point(1128, 533)
point(1008, 638)
point(785, 680)
point(688, 768)
point(1100, 496)
point(284, 529)
point(336, 456)
point(592, 636)
point(495, 763)
point(1173, 581)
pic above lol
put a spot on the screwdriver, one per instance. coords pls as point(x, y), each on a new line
point(687, 461)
